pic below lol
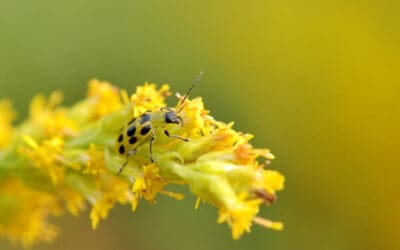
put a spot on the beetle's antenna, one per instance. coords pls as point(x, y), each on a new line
point(196, 80)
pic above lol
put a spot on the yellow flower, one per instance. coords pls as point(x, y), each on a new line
point(268, 224)
point(269, 180)
point(195, 117)
point(69, 152)
point(23, 213)
point(239, 215)
point(148, 98)
point(74, 201)
point(111, 190)
point(95, 164)
point(223, 170)
point(105, 97)
point(49, 119)
point(7, 115)
point(47, 156)
point(246, 154)
point(148, 184)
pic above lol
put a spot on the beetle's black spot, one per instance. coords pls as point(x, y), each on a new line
point(131, 130)
point(132, 121)
point(121, 149)
point(133, 140)
point(145, 118)
point(145, 130)
point(120, 138)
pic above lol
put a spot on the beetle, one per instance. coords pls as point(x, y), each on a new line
point(142, 130)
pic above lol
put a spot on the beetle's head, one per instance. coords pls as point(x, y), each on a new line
point(172, 117)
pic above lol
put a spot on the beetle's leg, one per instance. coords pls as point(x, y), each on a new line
point(127, 160)
point(175, 136)
point(152, 139)
point(123, 166)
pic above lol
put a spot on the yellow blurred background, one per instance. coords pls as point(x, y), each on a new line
point(316, 82)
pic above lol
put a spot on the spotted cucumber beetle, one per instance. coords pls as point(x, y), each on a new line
point(141, 130)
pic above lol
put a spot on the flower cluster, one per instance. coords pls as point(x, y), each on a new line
point(63, 159)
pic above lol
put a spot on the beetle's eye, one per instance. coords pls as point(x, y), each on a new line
point(170, 117)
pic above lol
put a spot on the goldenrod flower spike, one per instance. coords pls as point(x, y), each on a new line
point(62, 159)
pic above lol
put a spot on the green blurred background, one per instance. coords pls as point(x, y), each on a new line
point(317, 82)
